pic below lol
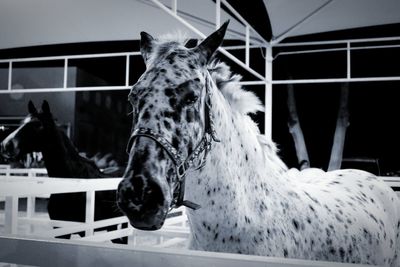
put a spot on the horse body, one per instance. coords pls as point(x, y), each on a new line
point(250, 202)
point(61, 159)
point(40, 133)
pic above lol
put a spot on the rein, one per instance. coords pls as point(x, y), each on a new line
point(182, 165)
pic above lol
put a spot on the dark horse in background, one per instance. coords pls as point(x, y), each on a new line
point(39, 133)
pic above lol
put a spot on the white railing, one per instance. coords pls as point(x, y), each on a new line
point(66, 253)
point(28, 248)
point(25, 183)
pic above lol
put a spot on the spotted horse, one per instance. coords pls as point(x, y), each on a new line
point(194, 144)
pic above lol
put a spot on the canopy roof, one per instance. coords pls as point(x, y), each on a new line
point(293, 18)
point(41, 22)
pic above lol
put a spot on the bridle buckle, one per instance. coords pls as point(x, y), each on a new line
point(181, 170)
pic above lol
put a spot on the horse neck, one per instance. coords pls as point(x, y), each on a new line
point(62, 159)
point(238, 163)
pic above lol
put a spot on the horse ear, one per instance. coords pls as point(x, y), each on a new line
point(31, 108)
point(212, 42)
point(45, 107)
point(191, 43)
point(146, 45)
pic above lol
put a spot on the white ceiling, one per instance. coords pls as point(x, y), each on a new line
point(40, 22)
point(335, 15)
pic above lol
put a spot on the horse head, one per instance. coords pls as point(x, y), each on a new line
point(172, 130)
point(30, 136)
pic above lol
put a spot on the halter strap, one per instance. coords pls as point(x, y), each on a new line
point(183, 165)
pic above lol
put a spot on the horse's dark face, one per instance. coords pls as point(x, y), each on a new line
point(29, 137)
point(168, 99)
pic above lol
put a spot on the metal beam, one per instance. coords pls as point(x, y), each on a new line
point(70, 57)
point(363, 40)
point(337, 80)
point(68, 89)
point(285, 34)
point(242, 20)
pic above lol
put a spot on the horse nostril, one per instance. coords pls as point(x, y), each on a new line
point(7, 148)
point(155, 196)
point(140, 195)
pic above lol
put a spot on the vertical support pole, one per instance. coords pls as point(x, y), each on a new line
point(30, 210)
point(348, 61)
point(217, 13)
point(9, 76)
point(30, 206)
point(11, 215)
point(184, 216)
point(247, 58)
point(127, 70)
point(174, 6)
point(268, 93)
point(65, 73)
point(89, 218)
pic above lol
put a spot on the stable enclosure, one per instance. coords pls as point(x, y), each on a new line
point(26, 234)
point(81, 78)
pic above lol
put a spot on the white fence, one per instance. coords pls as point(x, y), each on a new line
point(25, 183)
point(26, 235)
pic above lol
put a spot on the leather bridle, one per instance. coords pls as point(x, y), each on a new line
point(182, 165)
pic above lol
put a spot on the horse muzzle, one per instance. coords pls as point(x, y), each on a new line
point(143, 202)
point(9, 149)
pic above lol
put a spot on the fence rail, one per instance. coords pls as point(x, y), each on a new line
point(19, 183)
point(30, 183)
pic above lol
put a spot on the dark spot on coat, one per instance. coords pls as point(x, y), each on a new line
point(146, 115)
point(175, 142)
point(295, 224)
point(167, 125)
point(342, 253)
point(169, 92)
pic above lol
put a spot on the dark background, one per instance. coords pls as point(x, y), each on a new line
point(101, 122)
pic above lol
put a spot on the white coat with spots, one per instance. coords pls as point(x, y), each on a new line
point(250, 202)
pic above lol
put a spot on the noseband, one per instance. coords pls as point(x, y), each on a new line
point(182, 165)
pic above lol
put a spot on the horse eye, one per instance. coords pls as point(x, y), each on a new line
point(191, 99)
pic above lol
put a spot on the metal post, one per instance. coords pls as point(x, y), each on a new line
point(348, 61)
point(217, 13)
point(247, 58)
point(174, 6)
point(65, 73)
point(89, 218)
point(9, 75)
point(268, 93)
point(11, 215)
point(30, 206)
point(127, 70)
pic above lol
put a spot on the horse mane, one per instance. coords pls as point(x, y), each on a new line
point(245, 102)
